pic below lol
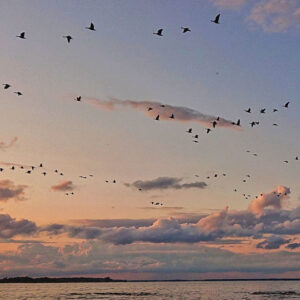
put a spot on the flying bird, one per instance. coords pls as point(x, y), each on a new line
point(248, 110)
point(214, 123)
point(286, 105)
point(68, 37)
point(196, 136)
point(275, 110)
point(185, 29)
point(190, 130)
point(21, 36)
point(208, 130)
point(6, 86)
point(78, 99)
point(216, 20)
point(159, 32)
point(150, 108)
point(91, 27)
point(172, 116)
point(262, 111)
point(18, 93)
point(157, 118)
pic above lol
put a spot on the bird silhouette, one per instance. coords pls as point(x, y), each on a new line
point(41, 165)
point(78, 98)
point(6, 86)
point(21, 36)
point(44, 173)
point(157, 118)
point(286, 105)
point(286, 161)
point(68, 37)
point(275, 124)
point(275, 110)
point(18, 93)
point(196, 136)
point(28, 172)
point(216, 20)
point(190, 130)
point(150, 108)
point(297, 158)
point(91, 27)
point(172, 116)
point(248, 110)
point(214, 123)
point(208, 130)
point(263, 111)
point(185, 29)
point(159, 32)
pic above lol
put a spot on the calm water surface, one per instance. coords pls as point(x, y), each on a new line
point(154, 290)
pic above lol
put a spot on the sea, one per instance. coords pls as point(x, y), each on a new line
point(233, 290)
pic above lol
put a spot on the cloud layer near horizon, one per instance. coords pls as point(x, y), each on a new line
point(181, 113)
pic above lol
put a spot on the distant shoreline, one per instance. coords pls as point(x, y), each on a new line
point(108, 279)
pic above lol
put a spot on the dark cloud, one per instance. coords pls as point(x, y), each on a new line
point(272, 242)
point(10, 227)
point(9, 190)
point(64, 186)
point(181, 113)
point(164, 183)
point(293, 246)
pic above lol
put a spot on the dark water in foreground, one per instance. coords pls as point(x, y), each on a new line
point(154, 290)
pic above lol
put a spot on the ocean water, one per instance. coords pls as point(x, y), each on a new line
point(154, 290)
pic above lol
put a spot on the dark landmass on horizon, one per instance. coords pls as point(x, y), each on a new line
point(27, 279)
point(56, 280)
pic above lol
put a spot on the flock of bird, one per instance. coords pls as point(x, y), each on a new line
point(195, 136)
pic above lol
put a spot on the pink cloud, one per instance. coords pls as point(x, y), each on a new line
point(4, 145)
point(8, 190)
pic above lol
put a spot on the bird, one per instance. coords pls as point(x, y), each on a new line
point(185, 29)
point(238, 123)
point(6, 86)
point(41, 165)
point(195, 141)
point(78, 98)
point(262, 111)
point(214, 123)
point(286, 105)
point(254, 123)
point(1, 169)
point(286, 161)
point(28, 172)
point(297, 158)
point(91, 27)
point(150, 108)
point(216, 20)
point(22, 35)
point(159, 32)
point(56, 171)
point(275, 109)
point(21, 167)
point(68, 37)
point(196, 136)
point(172, 116)
point(216, 175)
point(248, 110)
point(157, 118)
point(13, 167)
point(208, 130)
point(114, 181)
point(162, 105)
point(190, 130)
point(32, 168)
point(18, 93)
point(61, 174)
point(44, 173)
point(275, 124)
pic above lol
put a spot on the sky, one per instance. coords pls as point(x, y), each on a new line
point(139, 198)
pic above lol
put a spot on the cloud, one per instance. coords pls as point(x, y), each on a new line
point(293, 246)
point(273, 199)
point(229, 4)
point(63, 186)
point(276, 15)
point(8, 190)
point(272, 242)
point(10, 227)
point(4, 145)
point(181, 113)
point(164, 183)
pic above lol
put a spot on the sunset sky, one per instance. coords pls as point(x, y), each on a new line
point(204, 228)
